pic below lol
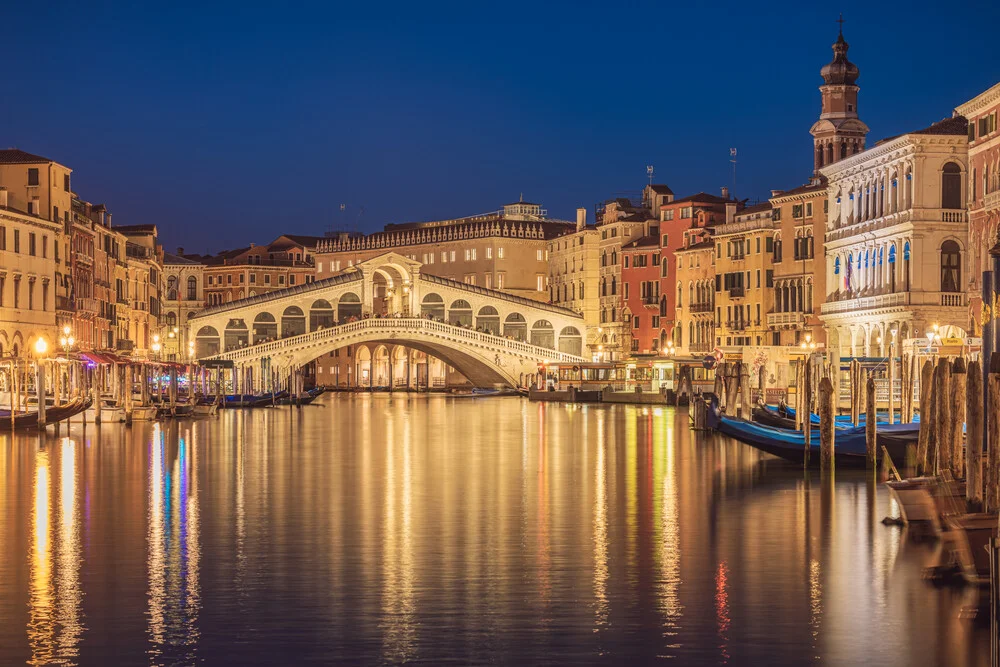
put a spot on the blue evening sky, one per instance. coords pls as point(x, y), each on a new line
point(230, 123)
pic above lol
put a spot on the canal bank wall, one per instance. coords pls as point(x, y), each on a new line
point(574, 395)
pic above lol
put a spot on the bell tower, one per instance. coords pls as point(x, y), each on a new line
point(839, 132)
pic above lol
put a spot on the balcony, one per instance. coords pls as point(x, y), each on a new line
point(651, 301)
point(87, 304)
point(64, 303)
point(785, 319)
point(991, 200)
point(736, 325)
point(122, 301)
point(952, 299)
point(124, 345)
point(700, 308)
point(737, 292)
point(959, 215)
point(140, 305)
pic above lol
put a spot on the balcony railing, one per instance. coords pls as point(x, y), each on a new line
point(954, 216)
point(952, 299)
point(124, 345)
point(736, 325)
point(651, 301)
point(700, 307)
point(122, 301)
point(991, 200)
point(785, 319)
point(737, 292)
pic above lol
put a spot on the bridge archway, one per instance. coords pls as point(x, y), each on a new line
point(543, 334)
point(265, 327)
point(488, 319)
point(516, 327)
point(207, 342)
point(460, 313)
point(348, 306)
point(432, 306)
point(320, 315)
point(571, 341)
point(237, 334)
point(293, 322)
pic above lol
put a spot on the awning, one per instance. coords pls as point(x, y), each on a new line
point(99, 357)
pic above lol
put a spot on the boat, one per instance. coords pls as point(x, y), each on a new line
point(109, 411)
point(247, 400)
point(483, 393)
point(203, 409)
point(917, 508)
point(966, 545)
point(850, 448)
point(144, 413)
point(53, 414)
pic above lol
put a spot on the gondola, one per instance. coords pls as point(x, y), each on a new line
point(850, 448)
point(56, 413)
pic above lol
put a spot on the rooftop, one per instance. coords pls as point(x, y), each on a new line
point(701, 197)
point(17, 156)
point(643, 242)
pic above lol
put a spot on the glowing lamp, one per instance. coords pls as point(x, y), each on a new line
point(41, 347)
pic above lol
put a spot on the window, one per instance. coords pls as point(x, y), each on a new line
point(796, 210)
point(668, 216)
point(473, 254)
point(626, 290)
point(468, 254)
point(489, 252)
point(3, 238)
point(635, 322)
point(31, 294)
point(664, 241)
point(626, 261)
point(538, 254)
point(253, 278)
point(45, 246)
point(66, 182)
point(243, 278)
point(972, 131)
point(951, 267)
point(809, 209)
point(951, 186)
point(281, 280)
point(55, 213)
point(17, 292)
point(192, 288)
point(758, 245)
point(267, 278)
point(686, 212)
point(31, 244)
point(17, 240)
point(758, 278)
point(769, 278)
point(501, 280)
point(500, 252)
point(33, 176)
point(489, 281)
point(540, 283)
point(452, 257)
point(229, 279)
point(776, 215)
point(444, 257)
point(656, 321)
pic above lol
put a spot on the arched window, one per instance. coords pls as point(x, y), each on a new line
point(906, 266)
point(680, 291)
point(172, 288)
point(192, 288)
point(614, 285)
point(951, 267)
point(951, 186)
point(836, 266)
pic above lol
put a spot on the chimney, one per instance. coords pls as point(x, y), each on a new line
point(253, 245)
point(581, 218)
point(3, 197)
point(730, 211)
point(180, 251)
point(776, 193)
point(725, 192)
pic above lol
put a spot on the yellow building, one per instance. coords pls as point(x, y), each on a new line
point(574, 274)
point(183, 298)
point(505, 250)
point(695, 312)
point(799, 270)
point(744, 277)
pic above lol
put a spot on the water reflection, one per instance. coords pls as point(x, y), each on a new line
point(54, 618)
point(174, 550)
point(427, 529)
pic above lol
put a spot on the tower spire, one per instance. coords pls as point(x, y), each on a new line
point(841, 22)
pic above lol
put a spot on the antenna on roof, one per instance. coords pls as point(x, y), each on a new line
point(649, 173)
point(732, 158)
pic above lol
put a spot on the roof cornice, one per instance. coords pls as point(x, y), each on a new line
point(894, 148)
point(984, 99)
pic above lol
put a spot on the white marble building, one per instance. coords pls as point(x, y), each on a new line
point(897, 239)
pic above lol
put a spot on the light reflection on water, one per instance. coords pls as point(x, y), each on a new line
point(376, 529)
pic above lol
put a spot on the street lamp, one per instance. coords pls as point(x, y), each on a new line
point(41, 346)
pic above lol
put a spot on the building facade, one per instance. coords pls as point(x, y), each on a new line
point(896, 241)
point(574, 275)
point(743, 278)
point(797, 268)
point(183, 298)
point(621, 221)
point(695, 311)
point(640, 285)
point(983, 192)
point(505, 250)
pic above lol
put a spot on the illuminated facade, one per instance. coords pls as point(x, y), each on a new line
point(574, 275)
point(897, 239)
point(983, 190)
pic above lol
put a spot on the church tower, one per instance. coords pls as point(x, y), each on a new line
point(838, 132)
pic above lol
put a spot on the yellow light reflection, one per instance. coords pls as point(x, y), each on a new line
point(601, 530)
point(41, 623)
point(70, 595)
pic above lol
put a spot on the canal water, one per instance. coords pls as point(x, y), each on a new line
point(377, 529)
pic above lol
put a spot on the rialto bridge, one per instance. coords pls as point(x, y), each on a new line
point(489, 336)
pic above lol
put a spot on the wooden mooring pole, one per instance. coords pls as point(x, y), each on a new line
point(974, 436)
point(959, 379)
point(992, 472)
point(870, 423)
point(806, 411)
point(942, 420)
point(924, 465)
point(827, 424)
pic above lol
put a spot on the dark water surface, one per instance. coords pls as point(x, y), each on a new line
point(377, 529)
